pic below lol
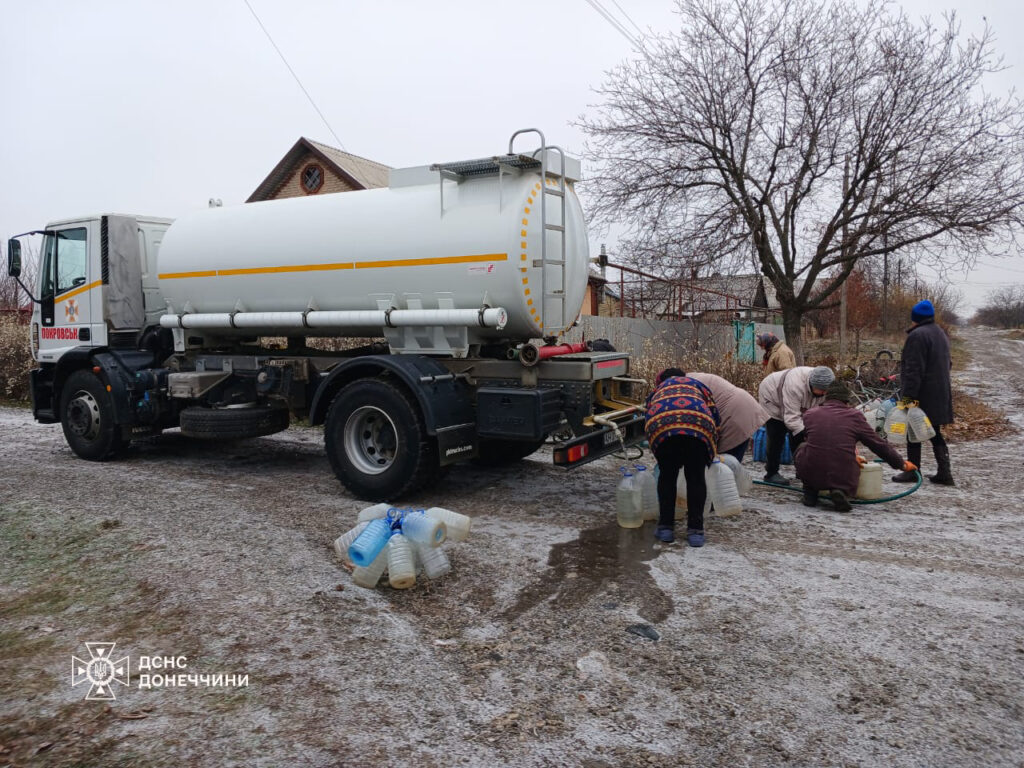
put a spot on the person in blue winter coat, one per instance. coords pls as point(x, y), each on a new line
point(925, 377)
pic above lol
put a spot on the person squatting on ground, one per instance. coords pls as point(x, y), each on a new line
point(786, 395)
point(777, 355)
point(827, 459)
point(740, 412)
point(924, 376)
point(682, 430)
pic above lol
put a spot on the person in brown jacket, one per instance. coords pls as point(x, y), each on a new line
point(741, 413)
point(777, 355)
point(827, 459)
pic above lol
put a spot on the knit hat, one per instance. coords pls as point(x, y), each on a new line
point(922, 311)
point(669, 373)
point(767, 340)
point(821, 377)
point(838, 390)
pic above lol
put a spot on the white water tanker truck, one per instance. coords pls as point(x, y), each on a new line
point(470, 271)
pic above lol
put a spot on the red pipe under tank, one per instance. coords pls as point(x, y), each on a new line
point(531, 354)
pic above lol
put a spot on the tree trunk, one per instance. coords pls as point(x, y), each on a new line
point(791, 318)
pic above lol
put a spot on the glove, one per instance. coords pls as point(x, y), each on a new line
point(909, 466)
point(860, 459)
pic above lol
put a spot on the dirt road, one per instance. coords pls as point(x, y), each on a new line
point(891, 636)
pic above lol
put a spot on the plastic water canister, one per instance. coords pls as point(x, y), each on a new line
point(401, 565)
point(416, 526)
point(787, 452)
point(760, 452)
point(628, 506)
point(456, 524)
point(368, 544)
point(369, 576)
point(896, 426)
point(744, 482)
point(648, 492)
point(870, 484)
point(722, 489)
point(920, 425)
point(680, 510)
point(343, 542)
point(375, 512)
point(433, 559)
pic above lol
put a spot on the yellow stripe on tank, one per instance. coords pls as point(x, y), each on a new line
point(470, 259)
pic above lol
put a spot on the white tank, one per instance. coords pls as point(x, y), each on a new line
point(412, 246)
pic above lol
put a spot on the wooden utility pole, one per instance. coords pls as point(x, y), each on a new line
point(842, 289)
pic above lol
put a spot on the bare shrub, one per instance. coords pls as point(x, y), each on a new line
point(15, 359)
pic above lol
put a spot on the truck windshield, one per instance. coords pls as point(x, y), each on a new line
point(64, 261)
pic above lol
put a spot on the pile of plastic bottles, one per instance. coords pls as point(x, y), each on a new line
point(400, 542)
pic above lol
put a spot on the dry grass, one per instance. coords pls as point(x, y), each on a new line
point(975, 420)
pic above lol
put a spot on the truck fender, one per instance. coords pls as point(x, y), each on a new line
point(118, 369)
point(446, 402)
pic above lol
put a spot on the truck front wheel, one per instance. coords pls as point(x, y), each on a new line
point(377, 442)
point(87, 416)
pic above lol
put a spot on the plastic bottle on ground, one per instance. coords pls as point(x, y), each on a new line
point(722, 489)
point(343, 542)
point(648, 492)
point(401, 566)
point(457, 524)
point(375, 512)
point(744, 482)
point(628, 509)
point(369, 576)
point(418, 527)
point(369, 543)
point(434, 560)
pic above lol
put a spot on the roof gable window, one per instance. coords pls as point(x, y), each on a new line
point(312, 178)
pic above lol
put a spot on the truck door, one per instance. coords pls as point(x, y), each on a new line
point(67, 281)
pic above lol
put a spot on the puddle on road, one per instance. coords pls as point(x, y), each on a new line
point(586, 567)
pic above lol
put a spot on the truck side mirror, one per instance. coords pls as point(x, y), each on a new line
point(14, 258)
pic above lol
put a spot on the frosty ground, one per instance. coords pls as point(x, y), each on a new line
point(890, 636)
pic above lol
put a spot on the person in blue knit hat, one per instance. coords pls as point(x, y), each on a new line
point(924, 377)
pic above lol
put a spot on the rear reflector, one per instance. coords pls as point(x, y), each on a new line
point(570, 455)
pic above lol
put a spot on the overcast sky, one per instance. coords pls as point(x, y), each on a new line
point(144, 107)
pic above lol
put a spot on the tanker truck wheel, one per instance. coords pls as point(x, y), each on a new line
point(377, 442)
point(87, 417)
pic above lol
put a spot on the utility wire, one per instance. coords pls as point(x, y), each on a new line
point(265, 32)
point(614, 22)
point(623, 12)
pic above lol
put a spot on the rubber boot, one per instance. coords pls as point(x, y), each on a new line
point(913, 456)
point(810, 497)
point(945, 474)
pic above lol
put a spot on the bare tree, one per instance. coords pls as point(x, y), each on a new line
point(1004, 308)
point(12, 296)
point(806, 136)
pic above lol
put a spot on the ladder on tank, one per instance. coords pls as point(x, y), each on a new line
point(556, 295)
point(459, 171)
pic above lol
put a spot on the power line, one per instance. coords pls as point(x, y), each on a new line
point(623, 12)
point(614, 22)
point(265, 32)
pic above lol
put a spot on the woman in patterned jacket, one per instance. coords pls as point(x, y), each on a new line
point(682, 430)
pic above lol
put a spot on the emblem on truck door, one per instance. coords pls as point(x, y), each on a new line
point(71, 311)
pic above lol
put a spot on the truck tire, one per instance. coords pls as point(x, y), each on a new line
point(232, 423)
point(377, 442)
point(492, 452)
point(87, 417)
